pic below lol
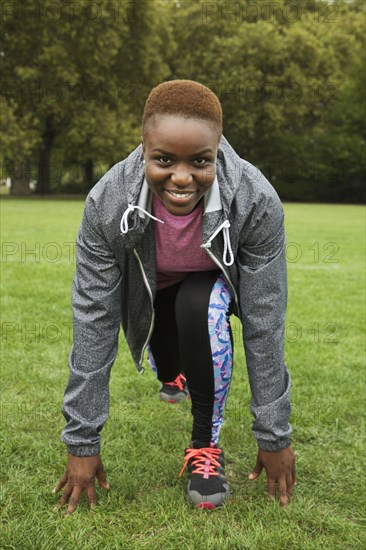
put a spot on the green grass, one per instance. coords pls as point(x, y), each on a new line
point(144, 440)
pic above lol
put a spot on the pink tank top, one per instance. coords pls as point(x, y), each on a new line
point(178, 244)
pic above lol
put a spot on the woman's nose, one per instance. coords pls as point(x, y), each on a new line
point(181, 175)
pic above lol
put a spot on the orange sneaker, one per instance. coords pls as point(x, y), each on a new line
point(207, 486)
point(173, 392)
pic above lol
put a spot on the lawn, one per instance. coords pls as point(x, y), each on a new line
point(144, 439)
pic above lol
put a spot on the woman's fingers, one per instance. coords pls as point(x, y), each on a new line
point(91, 495)
point(285, 489)
point(256, 472)
point(71, 495)
point(290, 485)
point(74, 499)
point(64, 497)
point(282, 490)
point(60, 484)
point(102, 480)
point(271, 489)
point(80, 477)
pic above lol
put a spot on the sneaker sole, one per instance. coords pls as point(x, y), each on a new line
point(217, 500)
point(170, 399)
point(206, 506)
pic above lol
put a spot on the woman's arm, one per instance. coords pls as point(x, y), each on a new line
point(263, 301)
point(96, 307)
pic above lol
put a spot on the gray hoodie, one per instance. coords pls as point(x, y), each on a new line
point(115, 283)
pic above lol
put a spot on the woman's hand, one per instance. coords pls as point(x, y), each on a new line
point(80, 477)
point(280, 469)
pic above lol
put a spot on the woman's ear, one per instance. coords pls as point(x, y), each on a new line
point(143, 149)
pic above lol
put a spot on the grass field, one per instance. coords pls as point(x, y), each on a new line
point(144, 440)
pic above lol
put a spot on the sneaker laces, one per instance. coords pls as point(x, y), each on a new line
point(179, 382)
point(204, 460)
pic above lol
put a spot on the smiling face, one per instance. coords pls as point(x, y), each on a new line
point(180, 160)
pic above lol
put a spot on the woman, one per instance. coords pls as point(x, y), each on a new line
point(174, 239)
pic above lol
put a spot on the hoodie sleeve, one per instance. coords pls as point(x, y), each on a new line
point(263, 301)
point(96, 324)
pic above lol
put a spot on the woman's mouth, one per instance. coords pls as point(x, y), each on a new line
point(180, 195)
point(177, 195)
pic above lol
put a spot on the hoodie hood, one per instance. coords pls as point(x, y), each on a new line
point(228, 171)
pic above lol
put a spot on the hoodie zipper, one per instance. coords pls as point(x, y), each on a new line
point(140, 367)
point(217, 262)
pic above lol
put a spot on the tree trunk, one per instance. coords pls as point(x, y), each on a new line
point(21, 178)
point(88, 175)
point(43, 186)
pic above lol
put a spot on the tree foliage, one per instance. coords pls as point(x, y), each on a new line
point(288, 74)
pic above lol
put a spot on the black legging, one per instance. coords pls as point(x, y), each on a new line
point(182, 343)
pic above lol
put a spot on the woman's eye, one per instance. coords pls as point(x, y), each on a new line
point(166, 160)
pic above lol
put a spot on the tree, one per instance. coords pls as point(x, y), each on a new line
point(278, 73)
point(55, 56)
point(284, 72)
point(18, 138)
point(341, 145)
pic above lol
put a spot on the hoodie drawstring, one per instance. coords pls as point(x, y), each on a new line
point(227, 244)
point(131, 208)
point(224, 227)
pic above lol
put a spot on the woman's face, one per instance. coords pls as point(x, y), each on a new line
point(180, 160)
